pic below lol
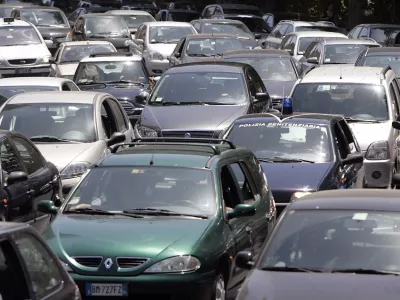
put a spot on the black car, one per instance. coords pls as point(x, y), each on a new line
point(256, 24)
point(50, 21)
point(103, 27)
point(26, 179)
point(219, 9)
point(277, 69)
point(28, 267)
point(85, 10)
point(227, 26)
point(383, 34)
point(6, 9)
point(331, 245)
point(122, 75)
point(202, 99)
point(301, 154)
point(381, 57)
point(178, 15)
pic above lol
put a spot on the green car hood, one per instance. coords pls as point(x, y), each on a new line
point(154, 238)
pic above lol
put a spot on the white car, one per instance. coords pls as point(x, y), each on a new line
point(133, 18)
point(23, 51)
point(156, 41)
point(69, 54)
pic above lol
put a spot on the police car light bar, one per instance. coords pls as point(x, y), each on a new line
point(8, 20)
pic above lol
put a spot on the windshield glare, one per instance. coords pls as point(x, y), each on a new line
point(9, 91)
point(254, 24)
point(61, 120)
point(360, 101)
point(335, 240)
point(114, 26)
point(168, 34)
point(76, 53)
point(382, 61)
point(234, 29)
point(92, 72)
point(134, 21)
point(211, 47)
point(269, 68)
point(183, 16)
point(225, 88)
point(18, 35)
point(384, 35)
point(342, 54)
point(181, 190)
point(317, 28)
point(285, 140)
point(45, 18)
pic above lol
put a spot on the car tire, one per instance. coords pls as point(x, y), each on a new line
point(219, 287)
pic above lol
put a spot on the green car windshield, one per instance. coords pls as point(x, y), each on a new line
point(117, 189)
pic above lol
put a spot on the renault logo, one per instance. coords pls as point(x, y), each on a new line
point(108, 263)
point(188, 135)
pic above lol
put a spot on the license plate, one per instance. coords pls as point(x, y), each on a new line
point(22, 71)
point(106, 289)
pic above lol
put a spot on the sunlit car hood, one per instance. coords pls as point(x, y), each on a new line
point(61, 154)
point(164, 49)
point(367, 133)
point(306, 286)
point(30, 51)
point(68, 69)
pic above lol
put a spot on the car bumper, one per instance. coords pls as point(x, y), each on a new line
point(378, 173)
point(157, 67)
point(156, 286)
point(26, 71)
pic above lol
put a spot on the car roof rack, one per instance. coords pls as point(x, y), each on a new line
point(107, 54)
point(212, 143)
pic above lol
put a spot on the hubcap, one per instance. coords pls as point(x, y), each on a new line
point(220, 289)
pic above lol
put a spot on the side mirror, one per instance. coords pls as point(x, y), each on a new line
point(257, 36)
point(177, 55)
point(287, 106)
point(47, 207)
point(67, 188)
point(116, 138)
point(290, 52)
point(52, 61)
point(312, 60)
point(262, 96)
point(396, 179)
point(244, 260)
point(242, 210)
point(139, 42)
point(396, 125)
point(16, 177)
point(78, 32)
point(142, 97)
point(48, 42)
point(352, 159)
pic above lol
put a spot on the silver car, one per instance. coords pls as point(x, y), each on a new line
point(73, 130)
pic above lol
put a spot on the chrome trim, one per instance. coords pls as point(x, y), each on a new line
point(126, 257)
point(93, 268)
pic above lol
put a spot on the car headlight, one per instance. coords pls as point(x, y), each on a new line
point(298, 195)
point(176, 264)
point(66, 267)
point(155, 56)
point(378, 150)
point(75, 169)
point(144, 132)
point(44, 59)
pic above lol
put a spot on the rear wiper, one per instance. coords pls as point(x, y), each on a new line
point(124, 81)
point(50, 139)
point(355, 120)
point(161, 212)
point(366, 271)
point(289, 160)
point(291, 269)
point(97, 211)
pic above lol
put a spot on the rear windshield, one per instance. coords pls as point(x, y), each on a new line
point(254, 24)
point(384, 35)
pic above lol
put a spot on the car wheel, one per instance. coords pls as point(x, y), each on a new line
point(219, 289)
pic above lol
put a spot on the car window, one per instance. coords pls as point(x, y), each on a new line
point(197, 26)
point(356, 32)
point(217, 11)
point(292, 43)
point(107, 117)
point(9, 159)
point(208, 47)
point(73, 54)
point(79, 25)
point(310, 49)
point(74, 15)
point(72, 86)
point(342, 53)
point(364, 32)
point(282, 31)
point(384, 35)
point(118, 115)
point(210, 11)
point(276, 30)
point(351, 142)
point(316, 51)
point(43, 272)
point(289, 29)
point(254, 83)
point(243, 182)
point(29, 155)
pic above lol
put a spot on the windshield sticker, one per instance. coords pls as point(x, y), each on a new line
point(88, 31)
point(322, 88)
point(137, 171)
point(158, 99)
point(360, 216)
point(247, 125)
point(327, 60)
point(133, 18)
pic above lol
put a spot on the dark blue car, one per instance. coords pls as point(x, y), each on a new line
point(301, 154)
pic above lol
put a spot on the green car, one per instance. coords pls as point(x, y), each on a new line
point(163, 220)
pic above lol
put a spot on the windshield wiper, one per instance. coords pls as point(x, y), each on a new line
point(161, 212)
point(366, 271)
point(195, 103)
point(199, 55)
point(355, 120)
point(265, 159)
point(50, 139)
point(291, 269)
point(124, 81)
point(92, 83)
point(289, 160)
point(97, 211)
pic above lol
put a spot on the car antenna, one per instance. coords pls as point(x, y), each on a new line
point(341, 77)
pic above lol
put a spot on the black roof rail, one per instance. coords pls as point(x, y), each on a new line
point(176, 141)
point(106, 54)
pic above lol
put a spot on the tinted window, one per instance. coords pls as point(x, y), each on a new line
point(168, 34)
point(76, 53)
point(254, 24)
point(200, 87)
point(342, 54)
point(101, 27)
point(181, 190)
point(30, 156)
point(134, 21)
point(18, 35)
point(9, 91)
point(384, 60)
point(223, 28)
point(183, 16)
point(50, 121)
point(211, 47)
point(277, 141)
point(45, 18)
point(317, 28)
point(9, 160)
point(384, 35)
point(360, 101)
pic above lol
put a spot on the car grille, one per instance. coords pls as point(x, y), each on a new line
point(26, 61)
point(130, 262)
point(193, 134)
point(89, 261)
point(128, 107)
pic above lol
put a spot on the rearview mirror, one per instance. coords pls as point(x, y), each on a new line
point(244, 260)
point(142, 97)
point(77, 32)
point(312, 60)
point(47, 207)
point(16, 177)
point(257, 36)
point(116, 138)
point(262, 96)
point(352, 159)
point(242, 210)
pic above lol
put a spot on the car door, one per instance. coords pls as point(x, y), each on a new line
point(121, 119)
point(176, 56)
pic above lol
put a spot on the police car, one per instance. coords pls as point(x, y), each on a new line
point(23, 51)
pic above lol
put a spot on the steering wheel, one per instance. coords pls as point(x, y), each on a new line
point(363, 116)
